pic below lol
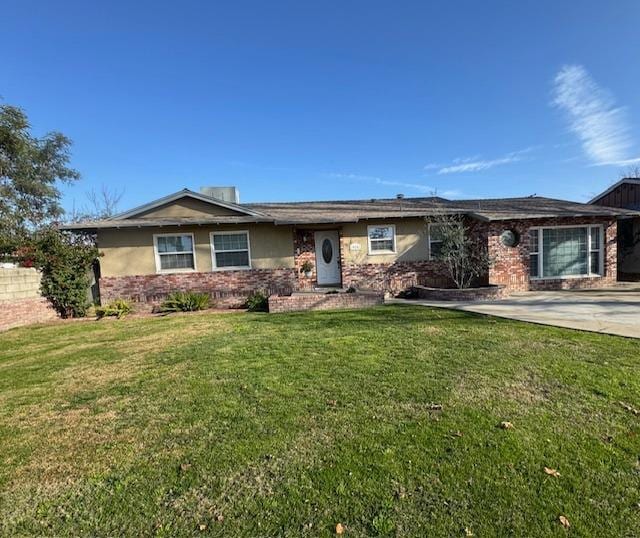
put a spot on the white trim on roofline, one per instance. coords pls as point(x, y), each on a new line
point(182, 194)
point(629, 180)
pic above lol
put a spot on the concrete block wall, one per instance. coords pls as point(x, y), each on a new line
point(19, 283)
point(20, 299)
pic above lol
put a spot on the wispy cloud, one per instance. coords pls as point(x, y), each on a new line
point(624, 162)
point(477, 163)
point(419, 187)
point(593, 116)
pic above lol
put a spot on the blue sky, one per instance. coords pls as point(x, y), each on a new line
point(323, 100)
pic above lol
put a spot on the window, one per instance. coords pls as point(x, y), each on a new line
point(564, 252)
point(594, 251)
point(382, 239)
point(230, 250)
point(534, 254)
point(569, 251)
point(174, 252)
point(436, 240)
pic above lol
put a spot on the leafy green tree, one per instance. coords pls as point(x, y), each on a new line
point(65, 260)
point(31, 170)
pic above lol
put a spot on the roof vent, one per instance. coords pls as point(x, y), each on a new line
point(226, 194)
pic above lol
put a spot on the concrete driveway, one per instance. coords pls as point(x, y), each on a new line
point(611, 311)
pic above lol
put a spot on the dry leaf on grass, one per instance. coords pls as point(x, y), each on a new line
point(551, 472)
point(564, 522)
point(627, 407)
point(339, 528)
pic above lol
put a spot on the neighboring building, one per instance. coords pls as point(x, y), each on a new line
point(194, 241)
point(625, 194)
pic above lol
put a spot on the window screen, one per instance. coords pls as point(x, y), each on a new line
point(564, 252)
point(231, 249)
point(436, 240)
point(381, 238)
point(175, 252)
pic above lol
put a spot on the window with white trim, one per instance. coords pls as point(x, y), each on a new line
point(174, 252)
point(565, 252)
point(382, 239)
point(436, 240)
point(230, 250)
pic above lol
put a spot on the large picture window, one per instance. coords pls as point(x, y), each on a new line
point(230, 250)
point(565, 252)
point(174, 252)
point(382, 239)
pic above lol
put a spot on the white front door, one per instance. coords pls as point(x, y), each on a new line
point(327, 258)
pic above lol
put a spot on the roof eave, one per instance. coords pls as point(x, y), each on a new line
point(538, 216)
point(123, 224)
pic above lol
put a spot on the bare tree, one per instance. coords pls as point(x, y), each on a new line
point(104, 203)
point(630, 172)
point(465, 258)
point(101, 204)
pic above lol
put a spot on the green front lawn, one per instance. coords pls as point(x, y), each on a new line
point(286, 425)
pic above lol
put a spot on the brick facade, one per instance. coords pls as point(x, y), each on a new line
point(510, 266)
point(226, 288)
point(20, 300)
point(468, 294)
point(401, 275)
point(304, 248)
point(21, 312)
point(510, 269)
point(394, 277)
point(323, 301)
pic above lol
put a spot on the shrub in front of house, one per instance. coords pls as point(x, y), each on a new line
point(185, 301)
point(257, 302)
point(118, 308)
point(65, 261)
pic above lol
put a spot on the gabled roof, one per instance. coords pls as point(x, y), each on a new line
point(185, 193)
point(623, 181)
